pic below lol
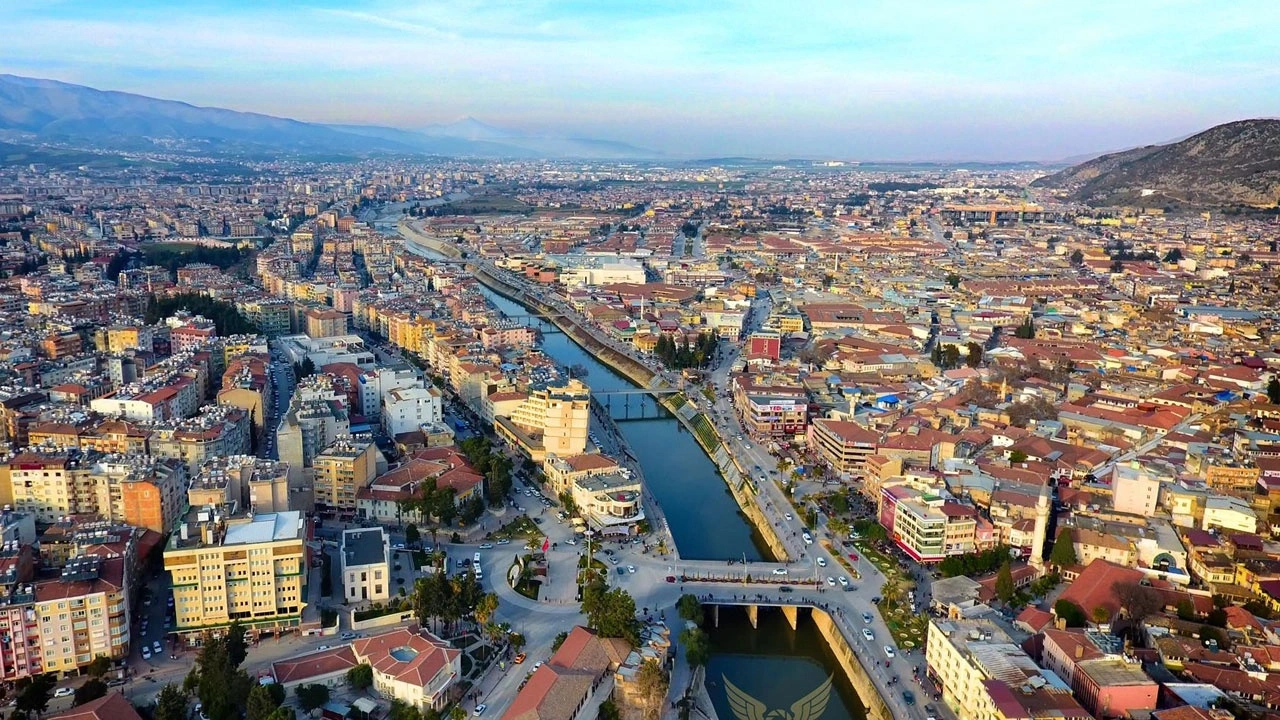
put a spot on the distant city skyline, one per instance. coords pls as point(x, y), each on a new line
point(943, 81)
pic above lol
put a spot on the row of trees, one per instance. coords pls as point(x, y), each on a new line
point(226, 318)
point(971, 564)
point(685, 354)
point(948, 356)
point(437, 599)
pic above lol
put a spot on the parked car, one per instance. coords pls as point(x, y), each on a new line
point(519, 658)
point(479, 710)
point(64, 691)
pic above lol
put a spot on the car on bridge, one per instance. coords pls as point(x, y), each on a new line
point(866, 618)
point(908, 698)
point(888, 651)
point(822, 562)
point(866, 633)
point(779, 571)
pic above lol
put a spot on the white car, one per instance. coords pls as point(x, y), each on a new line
point(779, 571)
point(64, 691)
point(146, 653)
point(156, 649)
point(788, 516)
point(888, 651)
point(866, 633)
point(631, 569)
point(479, 709)
point(486, 546)
point(844, 581)
point(822, 562)
point(504, 541)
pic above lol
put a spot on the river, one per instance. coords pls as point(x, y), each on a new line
point(703, 516)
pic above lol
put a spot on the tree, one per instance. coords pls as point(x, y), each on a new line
point(690, 608)
point(953, 280)
point(609, 711)
point(282, 713)
point(400, 710)
point(221, 685)
point(98, 666)
point(973, 356)
point(260, 704)
point(559, 640)
point(1077, 258)
point(1064, 550)
point(652, 683)
point(411, 534)
point(1117, 267)
point(92, 689)
point(1217, 617)
point(312, 696)
point(34, 693)
point(171, 704)
point(950, 356)
point(1100, 615)
point(1027, 330)
point(1273, 390)
point(517, 641)
point(1137, 602)
point(486, 607)
point(1186, 609)
point(697, 649)
point(237, 648)
point(1017, 456)
point(1070, 613)
point(360, 676)
point(1004, 583)
point(611, 613)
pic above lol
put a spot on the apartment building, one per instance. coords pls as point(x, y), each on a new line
point(139, 490)
point(844, 445)
point(926, 526)
point(407, 409)
point(322, 323)
point(962, 656)
point(316, 418)
point(82, 614)
point(343, 468)
point(553, 419)
point(770, 411)
point(227, 565)
point(217, 431)
point(366, 565)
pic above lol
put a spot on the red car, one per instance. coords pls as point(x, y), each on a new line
point(671, 578)
point(853, 557)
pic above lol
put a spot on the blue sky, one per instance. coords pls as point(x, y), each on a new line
point(859, 79)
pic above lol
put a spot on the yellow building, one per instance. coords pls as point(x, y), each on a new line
point(83, 614)
point(128, 337)
point(343, 468)
point(553, 419)
point(247, 568)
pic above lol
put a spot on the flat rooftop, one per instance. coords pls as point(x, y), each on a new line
point(266, 527)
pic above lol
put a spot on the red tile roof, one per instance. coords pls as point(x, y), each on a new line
point(318, 664)
point(112, 706)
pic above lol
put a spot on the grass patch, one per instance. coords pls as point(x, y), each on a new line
point(521, 527)
point(907, 628)
point(706, 433)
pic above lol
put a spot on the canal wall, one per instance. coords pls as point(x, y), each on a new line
point(698, 424)
point(412, 234)
point(739, 482)
point(877, 708)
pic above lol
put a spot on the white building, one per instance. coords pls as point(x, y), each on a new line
point(366, 565)
point(407, 409)
point(1229, 513)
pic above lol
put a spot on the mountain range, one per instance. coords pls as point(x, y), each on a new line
point(49, 111)
point(1233, 164)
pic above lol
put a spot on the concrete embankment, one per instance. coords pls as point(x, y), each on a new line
point(877, 709)
point(416, 236)
point(698, 424)
point(743, 490)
